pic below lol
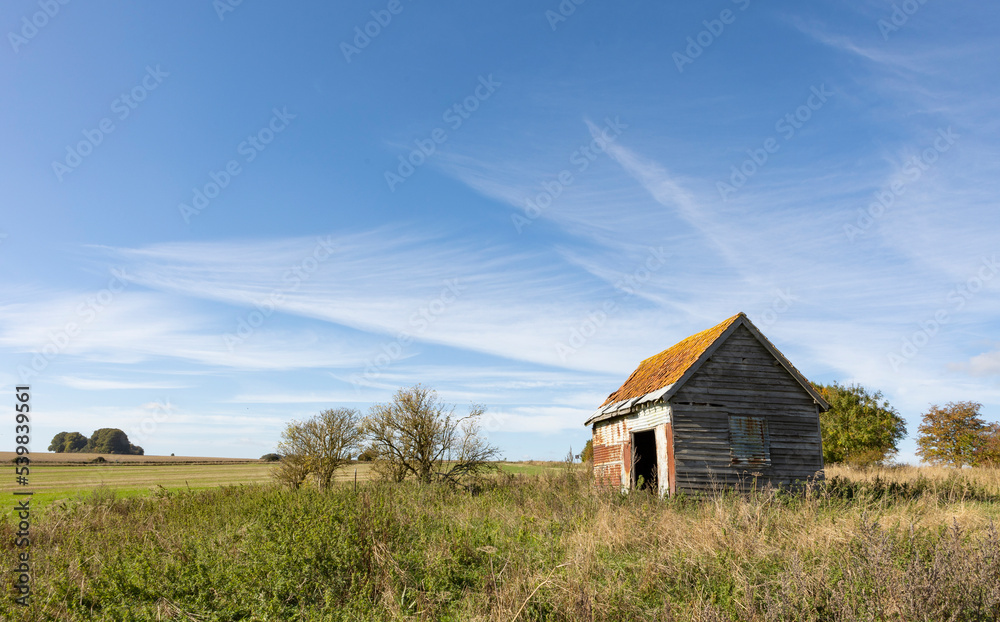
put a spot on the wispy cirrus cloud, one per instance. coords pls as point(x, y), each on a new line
point(141, 326)
point(104, 384)
point(504, 302)
point(788, 235)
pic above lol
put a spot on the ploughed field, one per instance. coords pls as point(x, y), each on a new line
point(535, 543)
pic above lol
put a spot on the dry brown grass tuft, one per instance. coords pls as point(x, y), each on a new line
point(986, 477)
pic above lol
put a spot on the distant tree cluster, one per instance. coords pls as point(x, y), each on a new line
point(102, 441)
point(957, 435)
point(860, 427)
point(414, 435)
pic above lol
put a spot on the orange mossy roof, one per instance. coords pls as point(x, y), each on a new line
point(668, 366)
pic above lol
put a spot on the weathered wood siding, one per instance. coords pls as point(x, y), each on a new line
point(742, 378)
point(664, 453)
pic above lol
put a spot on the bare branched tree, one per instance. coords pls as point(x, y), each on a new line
point(291, 471)
point(319, 446)
point(389, 470)
point(415, 434)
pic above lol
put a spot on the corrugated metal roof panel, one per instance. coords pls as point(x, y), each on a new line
point(624, 407)
point(654, 396)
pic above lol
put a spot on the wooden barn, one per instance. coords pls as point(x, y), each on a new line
point(720, 408)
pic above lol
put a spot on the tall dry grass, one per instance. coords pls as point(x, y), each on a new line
point(987, 478)
point(872, 545)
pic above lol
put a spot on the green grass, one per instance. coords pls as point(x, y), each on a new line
point(536, 468)
point(52, 483)
point(544, 547)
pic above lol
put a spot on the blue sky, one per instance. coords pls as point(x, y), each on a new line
point(219, 218)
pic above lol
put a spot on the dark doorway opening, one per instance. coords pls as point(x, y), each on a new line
point(644, 460)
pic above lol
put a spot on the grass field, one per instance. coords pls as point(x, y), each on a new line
point(55, 477)
point(59, 477)
point(47, 458)
point(886, 544)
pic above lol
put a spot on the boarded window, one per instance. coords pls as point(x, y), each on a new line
point(749, 444)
